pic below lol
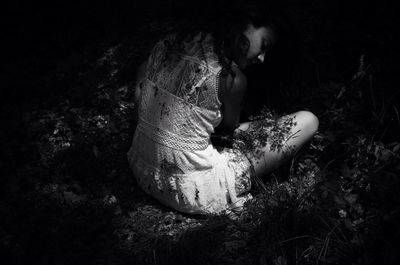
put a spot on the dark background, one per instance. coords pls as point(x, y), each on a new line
point(333, 35)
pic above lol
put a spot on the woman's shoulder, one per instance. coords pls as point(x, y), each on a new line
point(198, 47)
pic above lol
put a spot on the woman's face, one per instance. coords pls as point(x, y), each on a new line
point(255, 46)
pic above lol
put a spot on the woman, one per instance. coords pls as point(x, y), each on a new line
point(190, 84)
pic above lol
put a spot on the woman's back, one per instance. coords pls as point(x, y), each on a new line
point(180, 95)
point(171, 154)
point(188, 73)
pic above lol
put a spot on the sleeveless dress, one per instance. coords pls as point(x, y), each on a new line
point(171, 155)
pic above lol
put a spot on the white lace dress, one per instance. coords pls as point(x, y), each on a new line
point(171, 155)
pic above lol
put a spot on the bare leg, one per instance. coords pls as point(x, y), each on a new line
point(265, 158)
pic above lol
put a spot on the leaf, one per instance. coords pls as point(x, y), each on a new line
point(396, 148)
point(348, 224)
point(233, 246)
point(280, 261)
point(95, 150)
point(351, 198)
point(346, 171)
point(112, 173)
point(339, 200)
point(72, 198)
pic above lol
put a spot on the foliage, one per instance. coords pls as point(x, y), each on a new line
point(266, 128)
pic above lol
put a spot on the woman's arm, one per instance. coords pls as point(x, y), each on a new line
point(233, 90)
point(139, 77)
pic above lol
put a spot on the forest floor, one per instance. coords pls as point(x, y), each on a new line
point(69, 197)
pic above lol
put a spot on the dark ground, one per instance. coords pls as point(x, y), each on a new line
point(68, 196)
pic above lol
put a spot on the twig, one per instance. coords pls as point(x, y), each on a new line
point(326, 243)
point(372, 91)
point(293, 238)
point(380, 117)
point(397, 113)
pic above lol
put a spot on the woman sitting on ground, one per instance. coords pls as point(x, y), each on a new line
point(190, 84)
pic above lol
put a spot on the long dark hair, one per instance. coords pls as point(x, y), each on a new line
point(226, 21)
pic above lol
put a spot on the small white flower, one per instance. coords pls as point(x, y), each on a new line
point(65, 145)
point(342, 213)
point(110, 199)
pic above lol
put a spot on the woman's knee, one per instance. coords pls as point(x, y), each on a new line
point(307, 122)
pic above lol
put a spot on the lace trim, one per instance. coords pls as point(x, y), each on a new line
point(203, 63)
point(171, 140)
point(177, 97)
